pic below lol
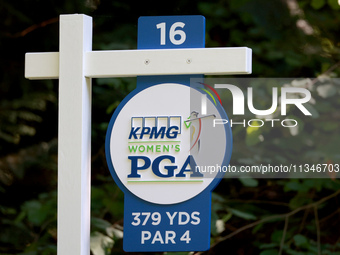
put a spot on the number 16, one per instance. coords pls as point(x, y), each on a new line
point(173, 32)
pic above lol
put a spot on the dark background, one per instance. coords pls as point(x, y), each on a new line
point(253, 216)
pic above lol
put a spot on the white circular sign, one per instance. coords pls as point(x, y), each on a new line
point(162, 149)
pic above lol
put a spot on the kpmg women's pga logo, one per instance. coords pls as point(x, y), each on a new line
point(158, 137)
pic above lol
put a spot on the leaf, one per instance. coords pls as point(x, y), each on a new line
point(334, 4)
point(299, 200)
point(243, 215)
point(268, 245)
point(227, 217)
point(100, 244)
point(313, 184)
point(106, 227)
point(114, 232)
point(29, 116)
point(300, 240)
point(292, 186)
point(270, 252)
point(326, 90)
point(100, 223)
point(257, 228)
point(253, 134)
point(312, 110)
point(42, 210)
point(35, 212)
point(317, 4)
point(295, 185)
point(303, 83)
point(219, 226)
point(111, 107)
point(249, 182)
point(295, 127)
point(216, 198)
point(331, 147)
point(292, 252)
point(29, 253)
point(329, 126)
point(14, 234)
point(26, 130)
point(277, 236)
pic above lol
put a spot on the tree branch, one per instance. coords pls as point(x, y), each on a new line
point(284, 235)
point(328, 71)
point(317, 228)
point(278, 216)
point(33, 27)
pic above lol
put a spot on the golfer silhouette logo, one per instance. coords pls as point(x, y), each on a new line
point(195, 132)
point(194, 122)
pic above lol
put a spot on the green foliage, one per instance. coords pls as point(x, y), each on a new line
point(30, 229)
point(21, 117)
point(288, 39)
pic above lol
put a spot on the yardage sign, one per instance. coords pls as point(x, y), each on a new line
point(156, 139)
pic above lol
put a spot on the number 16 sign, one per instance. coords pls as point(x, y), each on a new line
point(157, 137)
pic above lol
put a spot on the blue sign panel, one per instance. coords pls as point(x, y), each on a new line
point(166, 32)
point(153, 149)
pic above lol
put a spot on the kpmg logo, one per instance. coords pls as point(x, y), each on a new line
point(155, 127)
point(157, 134)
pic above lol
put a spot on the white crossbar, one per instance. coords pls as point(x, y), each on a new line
point(42, 65)
point(125, 63)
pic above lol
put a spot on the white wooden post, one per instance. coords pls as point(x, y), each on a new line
point(75, 64)
point(74, 142)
